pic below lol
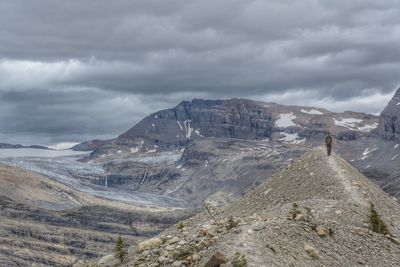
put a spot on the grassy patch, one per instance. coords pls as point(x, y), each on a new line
point(231, 223)
point(294, 211)
point(376, 223)
point(239, 260)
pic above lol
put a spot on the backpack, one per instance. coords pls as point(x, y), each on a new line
point(328, 140)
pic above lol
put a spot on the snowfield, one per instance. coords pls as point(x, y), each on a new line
point(285, 120)
point(312, 112)
point(292, 138)
point(351, 124)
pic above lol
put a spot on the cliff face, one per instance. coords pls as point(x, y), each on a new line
point(389, 121)
point(240, 119)
point(236, 118)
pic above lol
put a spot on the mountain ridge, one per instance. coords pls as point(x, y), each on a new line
point(236, 118)
point(8, 146)
point(315, 212)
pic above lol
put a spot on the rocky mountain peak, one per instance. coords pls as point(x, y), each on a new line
point(389, 121)
point(239, 119)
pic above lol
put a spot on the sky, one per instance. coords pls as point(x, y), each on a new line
point(78, 70)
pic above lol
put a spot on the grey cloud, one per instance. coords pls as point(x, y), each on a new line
point(95, 67)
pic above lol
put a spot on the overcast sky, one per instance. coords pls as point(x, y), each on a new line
point(77, 70)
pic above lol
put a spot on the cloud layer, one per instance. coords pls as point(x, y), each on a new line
point(74, 70)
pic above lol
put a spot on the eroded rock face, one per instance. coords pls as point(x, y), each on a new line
point(235, 118)
point(389, 121)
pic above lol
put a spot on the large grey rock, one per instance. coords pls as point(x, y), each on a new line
point(389, 121)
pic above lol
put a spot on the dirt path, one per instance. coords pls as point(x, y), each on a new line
point(346, 180)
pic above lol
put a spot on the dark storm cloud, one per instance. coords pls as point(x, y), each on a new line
point(71, 70)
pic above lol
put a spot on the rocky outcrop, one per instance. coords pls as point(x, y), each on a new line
point(389, 121)
point(235, 118)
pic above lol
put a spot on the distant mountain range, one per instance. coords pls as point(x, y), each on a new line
point(5, 146)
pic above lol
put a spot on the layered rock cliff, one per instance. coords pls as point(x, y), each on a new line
point(389, 121)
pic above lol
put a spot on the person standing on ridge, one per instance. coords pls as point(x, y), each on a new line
point(328, 143)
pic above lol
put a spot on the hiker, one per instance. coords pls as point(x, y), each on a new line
point(328, 143)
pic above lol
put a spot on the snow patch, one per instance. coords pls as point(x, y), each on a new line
point(286, 120)
point(198, 133)
point(189, 129)
point(367, 151)
point(347, 122)
point(151, 151)
point(368, 127)
point(153, 125)
point(396, 146)
point(63, 145)
point(395, 157)
point(398, 104)
point(350, 123)
point(180, 125)
point(292, 138)
point(134, 149)
point(119, 151)
point(312, 112)
point(156, 117)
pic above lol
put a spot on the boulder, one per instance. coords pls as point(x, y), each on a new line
point(320, 230)
point(151, 243)
point(311, 251)
point(216, 260)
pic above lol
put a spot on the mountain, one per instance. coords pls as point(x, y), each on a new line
point(218, 149)
point(318, 211)
point(5, 145)
point(389, 121)
point(234, 118)
point(378, 157)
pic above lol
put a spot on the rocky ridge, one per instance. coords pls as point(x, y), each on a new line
point(8, 146)
point(316, 212)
